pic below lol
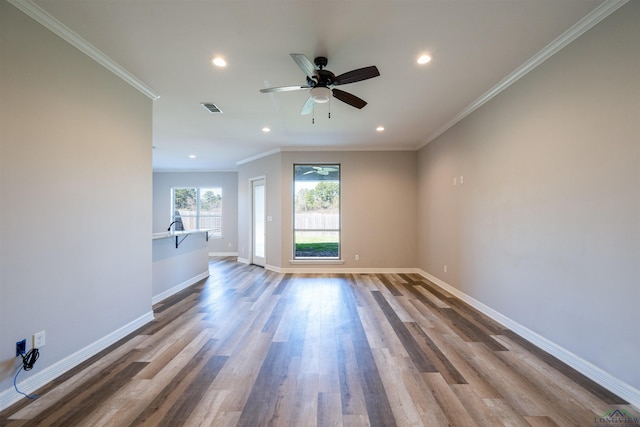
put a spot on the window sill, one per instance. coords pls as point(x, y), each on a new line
point(317, 261)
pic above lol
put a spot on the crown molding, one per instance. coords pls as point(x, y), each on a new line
point(45, 19)
point(195, 171)
point(258, 156)
point(291, 148)
point(586, 23)
point(347, 148)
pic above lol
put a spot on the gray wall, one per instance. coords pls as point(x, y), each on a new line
point(269, 168)
point(176, 268)
point(75, 197)
point(378, 207)
point(228, 181)
point(545, 228)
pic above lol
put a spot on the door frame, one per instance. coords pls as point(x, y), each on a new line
point(252, 259)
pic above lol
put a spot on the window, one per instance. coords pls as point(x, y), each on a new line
point(197, 208)
point(316, 225)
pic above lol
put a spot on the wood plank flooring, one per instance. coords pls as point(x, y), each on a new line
point(250, 347)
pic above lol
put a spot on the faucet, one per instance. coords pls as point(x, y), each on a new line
point(174, 222)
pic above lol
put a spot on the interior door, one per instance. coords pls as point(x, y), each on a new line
point(258, 237)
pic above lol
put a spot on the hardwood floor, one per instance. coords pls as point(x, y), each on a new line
point(250, 347)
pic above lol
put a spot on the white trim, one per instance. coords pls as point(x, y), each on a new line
point(212, 254)
point(50, 373)
point(169, 292)
point(345, 270)
point(195, 170)
point(273, 268)
point(258, 156)
point(615, 385)
point(596, 15)
point(317, 261)
point(252, 186)
point(327, 148)
point(348, 148)
point(45, 19)
point(606, 380)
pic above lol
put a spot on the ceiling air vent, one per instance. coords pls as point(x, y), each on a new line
point(211, 107)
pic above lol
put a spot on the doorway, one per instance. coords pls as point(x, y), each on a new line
point(258, 224)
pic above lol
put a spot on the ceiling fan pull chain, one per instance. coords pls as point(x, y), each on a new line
point(313, 114)
point(329, 107)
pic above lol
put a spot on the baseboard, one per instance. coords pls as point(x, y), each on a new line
point(243, 260)
point(324, 269)
point(29, 385)
point(166, 294)
point(606, 380)
point(212, 254)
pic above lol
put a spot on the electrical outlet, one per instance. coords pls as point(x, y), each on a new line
point(357, 257)
point(21, 347)
point(38, 339)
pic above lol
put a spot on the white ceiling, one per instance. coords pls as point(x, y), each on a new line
point(168, 44)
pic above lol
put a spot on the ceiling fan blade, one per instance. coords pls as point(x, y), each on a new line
point(357, 75)
point(305, 65)
point(283, 89)
point(348, 98)
point(307, 108)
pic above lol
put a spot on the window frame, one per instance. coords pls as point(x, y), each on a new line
point(216, 234)
point(330, 259)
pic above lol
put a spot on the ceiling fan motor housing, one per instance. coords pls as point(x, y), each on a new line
point(321, 61)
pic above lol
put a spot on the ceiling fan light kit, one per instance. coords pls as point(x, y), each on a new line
point(320, 95)
point(321, 82)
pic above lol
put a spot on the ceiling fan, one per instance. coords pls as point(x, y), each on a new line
point(321, 170)
point(321, 83)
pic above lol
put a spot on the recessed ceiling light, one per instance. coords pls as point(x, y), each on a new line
point(192, 156)
point(380, 128)
point(423, 59)
point(266, 129)
point(219, 61)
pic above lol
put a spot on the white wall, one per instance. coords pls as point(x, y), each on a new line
point(228, 181)
point(545, 228)
point(75, 198)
